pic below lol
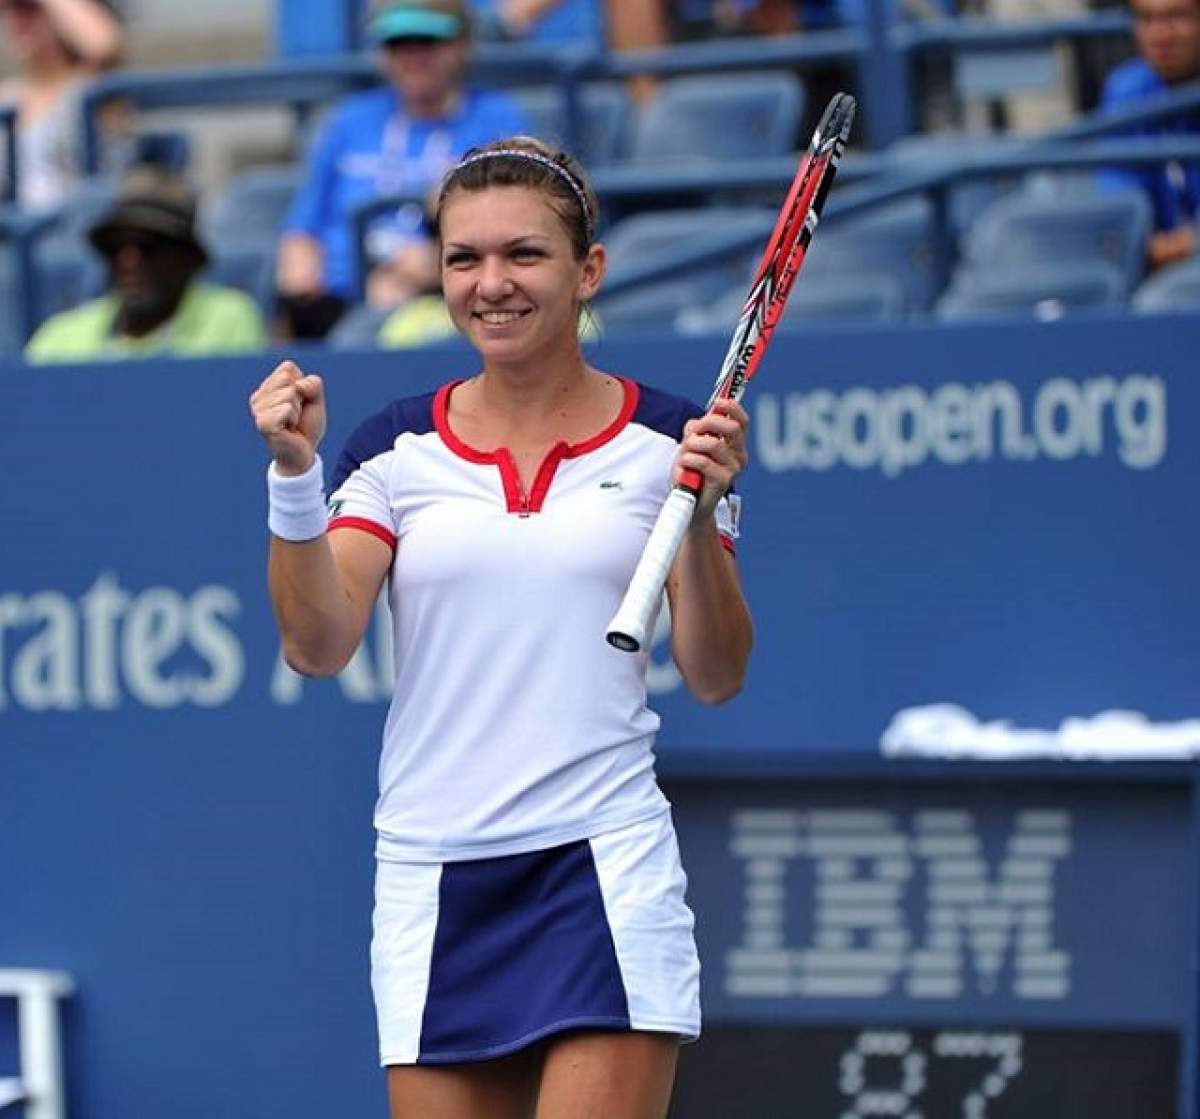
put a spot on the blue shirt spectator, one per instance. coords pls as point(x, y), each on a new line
point(396, 140)
point(1167, 33)
point(1173, 190)
point(371, 147)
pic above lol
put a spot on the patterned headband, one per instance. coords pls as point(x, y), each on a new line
point(557, 168)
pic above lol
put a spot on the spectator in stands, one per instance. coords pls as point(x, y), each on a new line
point(155, 304)
point(57, 45)
point(399, 139)
point(548, 22)
point(1167, 33)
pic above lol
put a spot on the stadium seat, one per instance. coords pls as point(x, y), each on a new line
point(1173, 289)
point(358, 328)
point(934, 151)
point(637, 240)
point(248, 266)
point(240, 227)
point(254, 203)
point(719, 116)
point(1101, 227)
point(849, 298)
point(606, 111)
point(896, 240)
point(1037, 289)
point(10, 328)
point(68, 268)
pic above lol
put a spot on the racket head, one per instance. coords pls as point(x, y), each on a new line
point(785, 249)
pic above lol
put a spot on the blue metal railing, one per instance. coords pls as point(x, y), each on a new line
point(8, 129)
point(881, 53)
point(847, 202)
point(302, 85)
point(19, 233)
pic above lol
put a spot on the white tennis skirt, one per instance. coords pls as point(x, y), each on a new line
point(476, 959)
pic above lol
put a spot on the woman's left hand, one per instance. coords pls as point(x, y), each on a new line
point(715, 446)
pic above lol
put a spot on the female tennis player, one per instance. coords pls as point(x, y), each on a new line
point(532, 951)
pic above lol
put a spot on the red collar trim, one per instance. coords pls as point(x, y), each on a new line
point(501, 457)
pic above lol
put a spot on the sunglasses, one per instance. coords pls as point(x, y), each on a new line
point(403, 42)
point(148, 245)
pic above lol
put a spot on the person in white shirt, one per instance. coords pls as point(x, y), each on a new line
point(531, 935)
point(58, 46)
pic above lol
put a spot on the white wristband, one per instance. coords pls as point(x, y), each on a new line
point(296, 505)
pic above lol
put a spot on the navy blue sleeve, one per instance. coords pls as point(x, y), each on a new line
point(664, 412)
point(379, 433)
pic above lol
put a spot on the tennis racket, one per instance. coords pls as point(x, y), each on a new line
point(763, 307)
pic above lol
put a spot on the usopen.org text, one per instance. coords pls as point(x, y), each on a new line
point(898, 428)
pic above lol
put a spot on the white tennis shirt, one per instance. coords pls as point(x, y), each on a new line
point(513, 725)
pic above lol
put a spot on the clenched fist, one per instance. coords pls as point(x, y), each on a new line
point(289, 412)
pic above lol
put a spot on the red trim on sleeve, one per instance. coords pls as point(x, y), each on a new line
point(364, 525)
point(728, 543)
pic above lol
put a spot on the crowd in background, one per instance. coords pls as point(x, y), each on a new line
point(400, 137)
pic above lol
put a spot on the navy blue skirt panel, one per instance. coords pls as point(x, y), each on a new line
point(476, 959)
point(522, 949)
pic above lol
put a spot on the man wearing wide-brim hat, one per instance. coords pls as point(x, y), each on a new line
point(395, 141)
point(155, 303)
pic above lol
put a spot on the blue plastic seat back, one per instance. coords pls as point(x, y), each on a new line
point(719, 116)
point(69, 270)
point(253, 203)
point(656, 307)
point(865, 297)
point(1176, 288)
point(1102, 227)
point(358, 328)
point(967, 198)
point(605, 114)
point(637, 240)
point(10, 327)
point(896, 240)
point(247, 264)
point(1036, 289)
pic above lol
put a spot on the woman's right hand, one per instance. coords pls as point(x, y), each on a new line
point(289, 412)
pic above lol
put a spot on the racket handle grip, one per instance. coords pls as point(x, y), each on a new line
point(691, 480)
point(628, 629)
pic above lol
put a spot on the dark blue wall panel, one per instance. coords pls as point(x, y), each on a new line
point(1003, 517)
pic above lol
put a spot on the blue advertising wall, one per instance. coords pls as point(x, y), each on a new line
point(1004, 517)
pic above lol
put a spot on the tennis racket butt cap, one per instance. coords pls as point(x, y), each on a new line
point(625, 642)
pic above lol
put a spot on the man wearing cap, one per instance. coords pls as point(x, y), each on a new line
point(395, 140)
point(1167, 34)
point(155, 303)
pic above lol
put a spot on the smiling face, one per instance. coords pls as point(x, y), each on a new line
point(512, 281)
point(1168, 36)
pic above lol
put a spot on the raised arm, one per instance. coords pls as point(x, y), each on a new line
point(88, 28)
point(711, 630)
point(520, 16)
point(323, 585)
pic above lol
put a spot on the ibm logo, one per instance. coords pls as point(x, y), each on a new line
point(974, 916)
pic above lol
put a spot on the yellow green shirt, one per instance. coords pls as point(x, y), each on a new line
point(209, 320)
point(425, 319)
